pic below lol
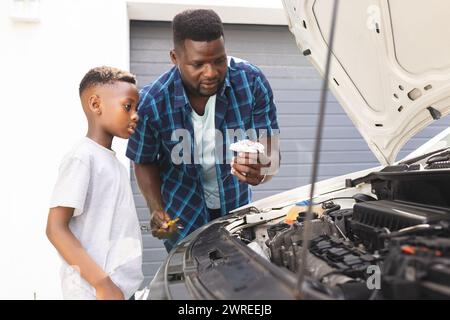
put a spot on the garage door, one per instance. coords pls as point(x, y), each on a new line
point(296, 86)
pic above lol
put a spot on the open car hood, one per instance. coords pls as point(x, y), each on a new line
point(390, 67)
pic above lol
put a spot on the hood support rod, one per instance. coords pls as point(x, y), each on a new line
point(317, 146)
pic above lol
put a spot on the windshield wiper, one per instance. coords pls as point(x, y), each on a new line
point(426, 155)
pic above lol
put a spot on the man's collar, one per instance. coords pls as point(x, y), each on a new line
point(180, 97)
point(226, 83)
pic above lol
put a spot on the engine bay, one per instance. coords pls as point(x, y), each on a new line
point(393, 243)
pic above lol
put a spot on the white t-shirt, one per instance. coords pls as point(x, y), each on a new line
point(204, 131)
point(93, 181)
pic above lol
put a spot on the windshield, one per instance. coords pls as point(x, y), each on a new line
point(440, 141)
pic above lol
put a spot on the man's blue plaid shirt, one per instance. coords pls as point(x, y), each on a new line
point(244, 102)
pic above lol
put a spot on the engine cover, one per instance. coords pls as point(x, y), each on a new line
point(372, 218)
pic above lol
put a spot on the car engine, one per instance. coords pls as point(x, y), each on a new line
point(375, 249)
point(408, 243)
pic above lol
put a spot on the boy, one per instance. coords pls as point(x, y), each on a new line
point(92, 220)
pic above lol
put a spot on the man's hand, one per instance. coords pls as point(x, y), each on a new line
point(248, 167)
point(160, 227)
point(107, 290)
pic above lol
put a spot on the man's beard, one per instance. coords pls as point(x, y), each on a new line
point(197, 91)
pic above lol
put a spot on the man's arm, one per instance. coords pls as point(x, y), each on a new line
point(72, 251)
point(255, 169)
point(149, 182)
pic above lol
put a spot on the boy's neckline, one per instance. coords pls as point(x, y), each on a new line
point(100, 146)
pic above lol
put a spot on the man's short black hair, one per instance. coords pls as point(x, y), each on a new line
point(196, 25)
point(105, 75)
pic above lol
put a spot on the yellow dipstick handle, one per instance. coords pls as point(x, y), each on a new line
point(171, 222)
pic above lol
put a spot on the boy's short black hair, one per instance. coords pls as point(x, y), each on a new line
point(105, 75)
point(197, 25)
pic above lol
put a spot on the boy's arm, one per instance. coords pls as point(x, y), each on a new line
point(71, 250)
point(149, 182)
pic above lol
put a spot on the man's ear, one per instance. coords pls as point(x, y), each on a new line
point(94, 104)
point(173, 57)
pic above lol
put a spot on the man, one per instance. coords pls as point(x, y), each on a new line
point(189, 115)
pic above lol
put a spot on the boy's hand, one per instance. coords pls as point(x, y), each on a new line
point(107, 290)
point(160, 226)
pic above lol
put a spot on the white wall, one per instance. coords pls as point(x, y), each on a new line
point(42, 64)
point(231, 11)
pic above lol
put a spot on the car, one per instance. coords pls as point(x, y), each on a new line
point(380, 233)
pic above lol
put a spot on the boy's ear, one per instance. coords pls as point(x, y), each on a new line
point(94, 104)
